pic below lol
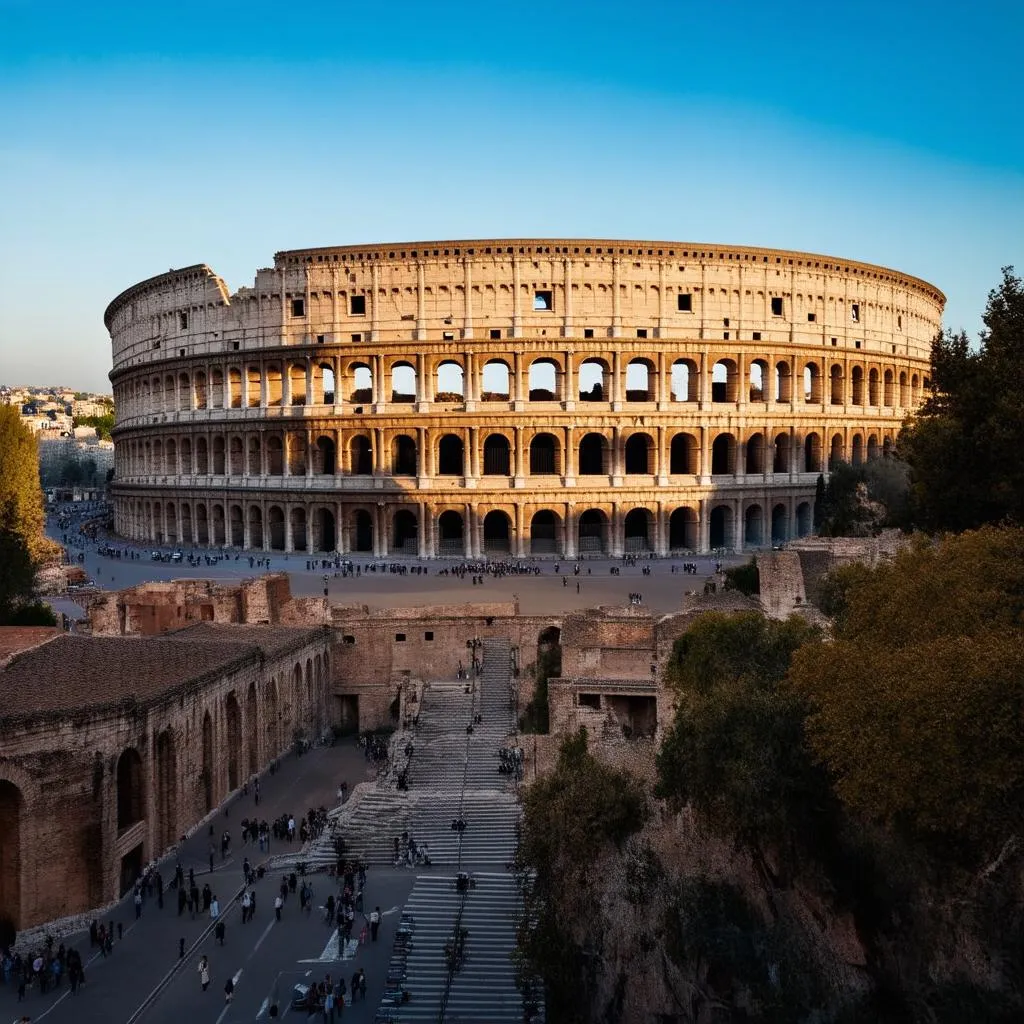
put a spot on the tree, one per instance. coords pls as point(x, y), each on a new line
point(915, 703)
point(964, 446)
point(21, 497)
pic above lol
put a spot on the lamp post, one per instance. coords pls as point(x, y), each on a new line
point(475, 645)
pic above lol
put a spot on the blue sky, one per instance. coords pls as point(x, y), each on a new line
point(137, 137)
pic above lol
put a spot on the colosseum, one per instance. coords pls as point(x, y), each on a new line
point(508, 396)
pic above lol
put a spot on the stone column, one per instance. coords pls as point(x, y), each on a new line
point(570, 396)
point(616, 388)
point(309, 530)
point(569, 531)
point(467, 318)
point(616, 302)
point(569, 462)
point(661, 530)
point(705, 379)
point(264, 386)
point(422, 547)
point(421, 457)
point(421, 303)
point(286, 383)
point(616, 457)
point(288, 545)
point(518, 456)
point(309, 453)
point(474, 454)
point(661, 460)
point(521, 529)
point(704, 526)
point(517, 311)
point(517, 370)
point(377, 392)
point(737, 525)
point(616, 541)
point(567, 324)
point(664, 382)
point(705, 455)
point(374, 293)
point(310, 396)
point(471, 391)
point(378, 450)
point(662, 299)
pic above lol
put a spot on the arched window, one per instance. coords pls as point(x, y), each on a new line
point(496, 455)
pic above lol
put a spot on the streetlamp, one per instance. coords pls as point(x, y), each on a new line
point(475, 645)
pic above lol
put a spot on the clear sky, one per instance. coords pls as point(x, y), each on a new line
point(142, 136)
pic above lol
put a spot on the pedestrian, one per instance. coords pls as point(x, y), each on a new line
point(214, 909)
point(229, 990)
point(204, 973)
point(218, 931)
point(278, 903)
point(355, 985)
point(374, 923)
point(362, 984)
point(138, 903)
point(213, 853)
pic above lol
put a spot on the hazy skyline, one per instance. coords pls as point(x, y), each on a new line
point(135, 138)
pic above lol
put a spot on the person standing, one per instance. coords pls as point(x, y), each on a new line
point(138, 903)
point(374, 923)
point(204, 973)
point(278, 903)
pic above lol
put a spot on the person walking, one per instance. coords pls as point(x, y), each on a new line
point(374, 923)
point(204, 973)
point(278, 904)
point(138, 903)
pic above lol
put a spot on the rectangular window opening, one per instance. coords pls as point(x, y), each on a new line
point(399, 638)
point(725, 322)
point(183, 321)
point(429, 635)
point(588, 332)
point(495, 333)
point(298, 307)
point(234, 346)
point(641, 332)
point(357, 305)
point(357, 337)
point(448, 335)
point(543, 301)
point(320, 339)
point(757, 335)
point(856, 344)
point(855, 313)
point(684, 302)
point(811, 317)
point(776, 307)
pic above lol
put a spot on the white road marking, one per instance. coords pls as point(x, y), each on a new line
point(259, 941)
point(227, 1005)
point(263, 1007)
point(331, 951)
point(54, 1007)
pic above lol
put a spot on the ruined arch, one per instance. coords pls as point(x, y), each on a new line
point(131, 789)
point(683, 455)
point(362, 530)
point(361, 455)
point(451, 533)
point(723, 455)
point(405, 533)
point(638, 530)
point(451, 456)
point(593, 455)
point(403, 456)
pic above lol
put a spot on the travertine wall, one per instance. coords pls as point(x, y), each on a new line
point(512, 396)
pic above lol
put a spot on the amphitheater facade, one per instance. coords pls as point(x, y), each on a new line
point(507, 396)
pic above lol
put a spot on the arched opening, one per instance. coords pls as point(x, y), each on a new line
point(544, 533)
point(835, 455)
point(202, 456)
point(753, 527)
point(543, 455)
point(450, 456)
point(201, 396)
point(592, 532)
point(904, 390)
point(166, 791)
point(255, 527)
point(857, 450)
point(812, 384)
point(326, 457)
point(888, 391)
point(255, 386)
point(543, 380)
point(404, 533)
point(593, 456)
point(236, 526)
point(327, 383)
point(724, 381)
point(207, 769)
point(361, 454)
point(271, 720)
point(403, 382)
point(720, 527)
point(184, 393)
point(11, 806)
point(218, 456)
point(804, 519)
point(873, 388)
point(202, 525)
point(812, 453)
point(872, 447)
point(497, 533)
point(325, 534)
point(451, 534)
point(682, 530)
point(236, 457)
point(233, 722)
point(780, 524)
point(640, 381)
point(298, 522)
point(131, 791)
point(362, 384)
point(685, 381)
point(219, 533)
point(683, 455)
point(758, 381)
point(172, 523)
point(403, 456)
point(836, 385)
point(362, 529)
point(723, 455)
point(593, 381)
point(275, 521)
point(297, 383)
point(496, 455)
point(253, 456)
point(275, 456)
point(186, 457)
point(637, 529)
point(496, 382)
point(755, 454)
point(857, 385)
point(638, 452)
point(170, 457)
point(296, 454)
point(451, 382)
point(252, 731)
point(783, 382)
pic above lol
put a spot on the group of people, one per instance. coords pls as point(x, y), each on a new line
point(409, 853)
point(44, 968)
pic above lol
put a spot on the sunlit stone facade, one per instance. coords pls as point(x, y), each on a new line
point(507, 396)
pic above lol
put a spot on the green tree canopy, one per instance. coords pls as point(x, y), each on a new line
point(916, 701)
point(964, 448)
point(21, 497)
point(104, 424)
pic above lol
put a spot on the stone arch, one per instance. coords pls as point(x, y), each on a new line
point(812, 453)
point(543, 379)
point(184, 393)
point(275, 455)
point(544, 455)
point(639, 379)
point(857, 450)
point(450, 381)
point(362, 530)
point(185, 451)
point(592, 532)
point(888, 390)
point(497, 455)
point(404, 533)
point(297, 453)
point(275, 525)
point(593, 455)
point(544, 532)
point(219, 455)
point(170, 456)
point(835, 455)
point(495, 381)
point(298, 525)
point(403, 456)
point(131, 789)
point(887, 447)
point(451, 456)
point(872, 447)
point(874, 397)
point(759, 375)
point(362, 383)
point(252, 731)
point(497, 532)
point(451, 533)
point(219, 534)
point(783, 381)
point(720, 530)
point(271, 719)
point(685, 381)
point(638, 454)
point(593, 376)
point(723, 455)
point(725, 381)
point(755, 453)
point(325, 531)
point(812, 383)
point(206, 775)
point(835, 374)
point(753, 526)
point(326, 460)
point(683, 455)
point(804, 519)
point(682, 529)
point(253, 456)
point(403, 381)
point(255, 527)
point(904, 390)
point(172, 522)
point(166, 791)
point(202, 456)
point(780, 524)
point(638, 530)
point(236, 456)
point(12, 808)
point(361, 455)
point(857, 385)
